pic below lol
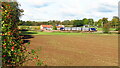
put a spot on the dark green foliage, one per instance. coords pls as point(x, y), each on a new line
point(12, 50)
point(90, 22)
point(86, 21)
point(54, 28)
point(78, 23)
point(105, 20)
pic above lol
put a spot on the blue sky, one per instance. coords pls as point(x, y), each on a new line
point(44, 10)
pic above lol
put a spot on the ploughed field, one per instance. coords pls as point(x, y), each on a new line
point(77, 50)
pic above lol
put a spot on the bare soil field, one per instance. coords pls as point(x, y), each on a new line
point(76, 50)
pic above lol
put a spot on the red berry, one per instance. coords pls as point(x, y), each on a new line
point(4, 39)
point(15, 45)
point(4, 55)
point(4, 45)
point(12, 47)
point(9, 32)
point(15, 53)
point(2, 34)
point(44, 61)
point(12, 42)
point(8, 60)
point(35, 58)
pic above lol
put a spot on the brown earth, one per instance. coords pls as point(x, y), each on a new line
point(81, 50)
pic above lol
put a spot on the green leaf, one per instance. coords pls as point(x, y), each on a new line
point(32, 51)
point(18, 50)
point(28, 44)
point(17, 59)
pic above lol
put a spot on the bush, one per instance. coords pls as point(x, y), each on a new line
point(12, 49)
point(54, 28)
point(118, 29)
point(106, 28)
point(14, 52)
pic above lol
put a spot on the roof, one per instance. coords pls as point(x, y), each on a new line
point(59, 26)
point(49, 26)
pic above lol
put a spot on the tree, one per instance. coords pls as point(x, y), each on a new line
point(106, 28)
point(106, 25)
point(78, 23)
point(85, 21)
point(66, 22)
point(115, 21)
point(54, 27)
point(99, 23)
point(91, 22)
point(104, 20)
point(95, 23)
point(11, 40)
point(14, 52)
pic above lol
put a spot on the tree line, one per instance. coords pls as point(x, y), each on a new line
point(76, 23)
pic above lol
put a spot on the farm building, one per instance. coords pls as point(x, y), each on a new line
point(60, 26)
point(80, 28)
point(50, 27)
point(72, 28)
point(84, 28)
point(46, 27)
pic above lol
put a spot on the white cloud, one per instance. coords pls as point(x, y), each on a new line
point(42, 10)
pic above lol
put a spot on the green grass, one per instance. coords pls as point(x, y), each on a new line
point(59, 33)
point(49, 33)
point(111, 29)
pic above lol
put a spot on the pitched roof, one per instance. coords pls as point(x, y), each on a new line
point(49, 26)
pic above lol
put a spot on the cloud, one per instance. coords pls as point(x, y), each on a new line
point(107, 8)
point(119, 9)
point(44, 10)
point(103, 9)
point(40, 6)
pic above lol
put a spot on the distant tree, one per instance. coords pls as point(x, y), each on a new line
point(115, 21)
point(95, 23)
point(116, 17)
point(54, 27)
point(66, 22)
point(106, 28)
point(99, 23)
point(104, 20)
point(91, 22)
point(85, 21)
point(78, 23)
point(106, 25)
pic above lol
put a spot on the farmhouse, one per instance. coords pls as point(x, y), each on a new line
point(46, 27)
point(50, 27)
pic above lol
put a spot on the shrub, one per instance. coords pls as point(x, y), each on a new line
point(14, 52)
point(117, 29)
point(106, 28)
point(54, 28)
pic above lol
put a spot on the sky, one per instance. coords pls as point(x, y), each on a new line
point(45, 10)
